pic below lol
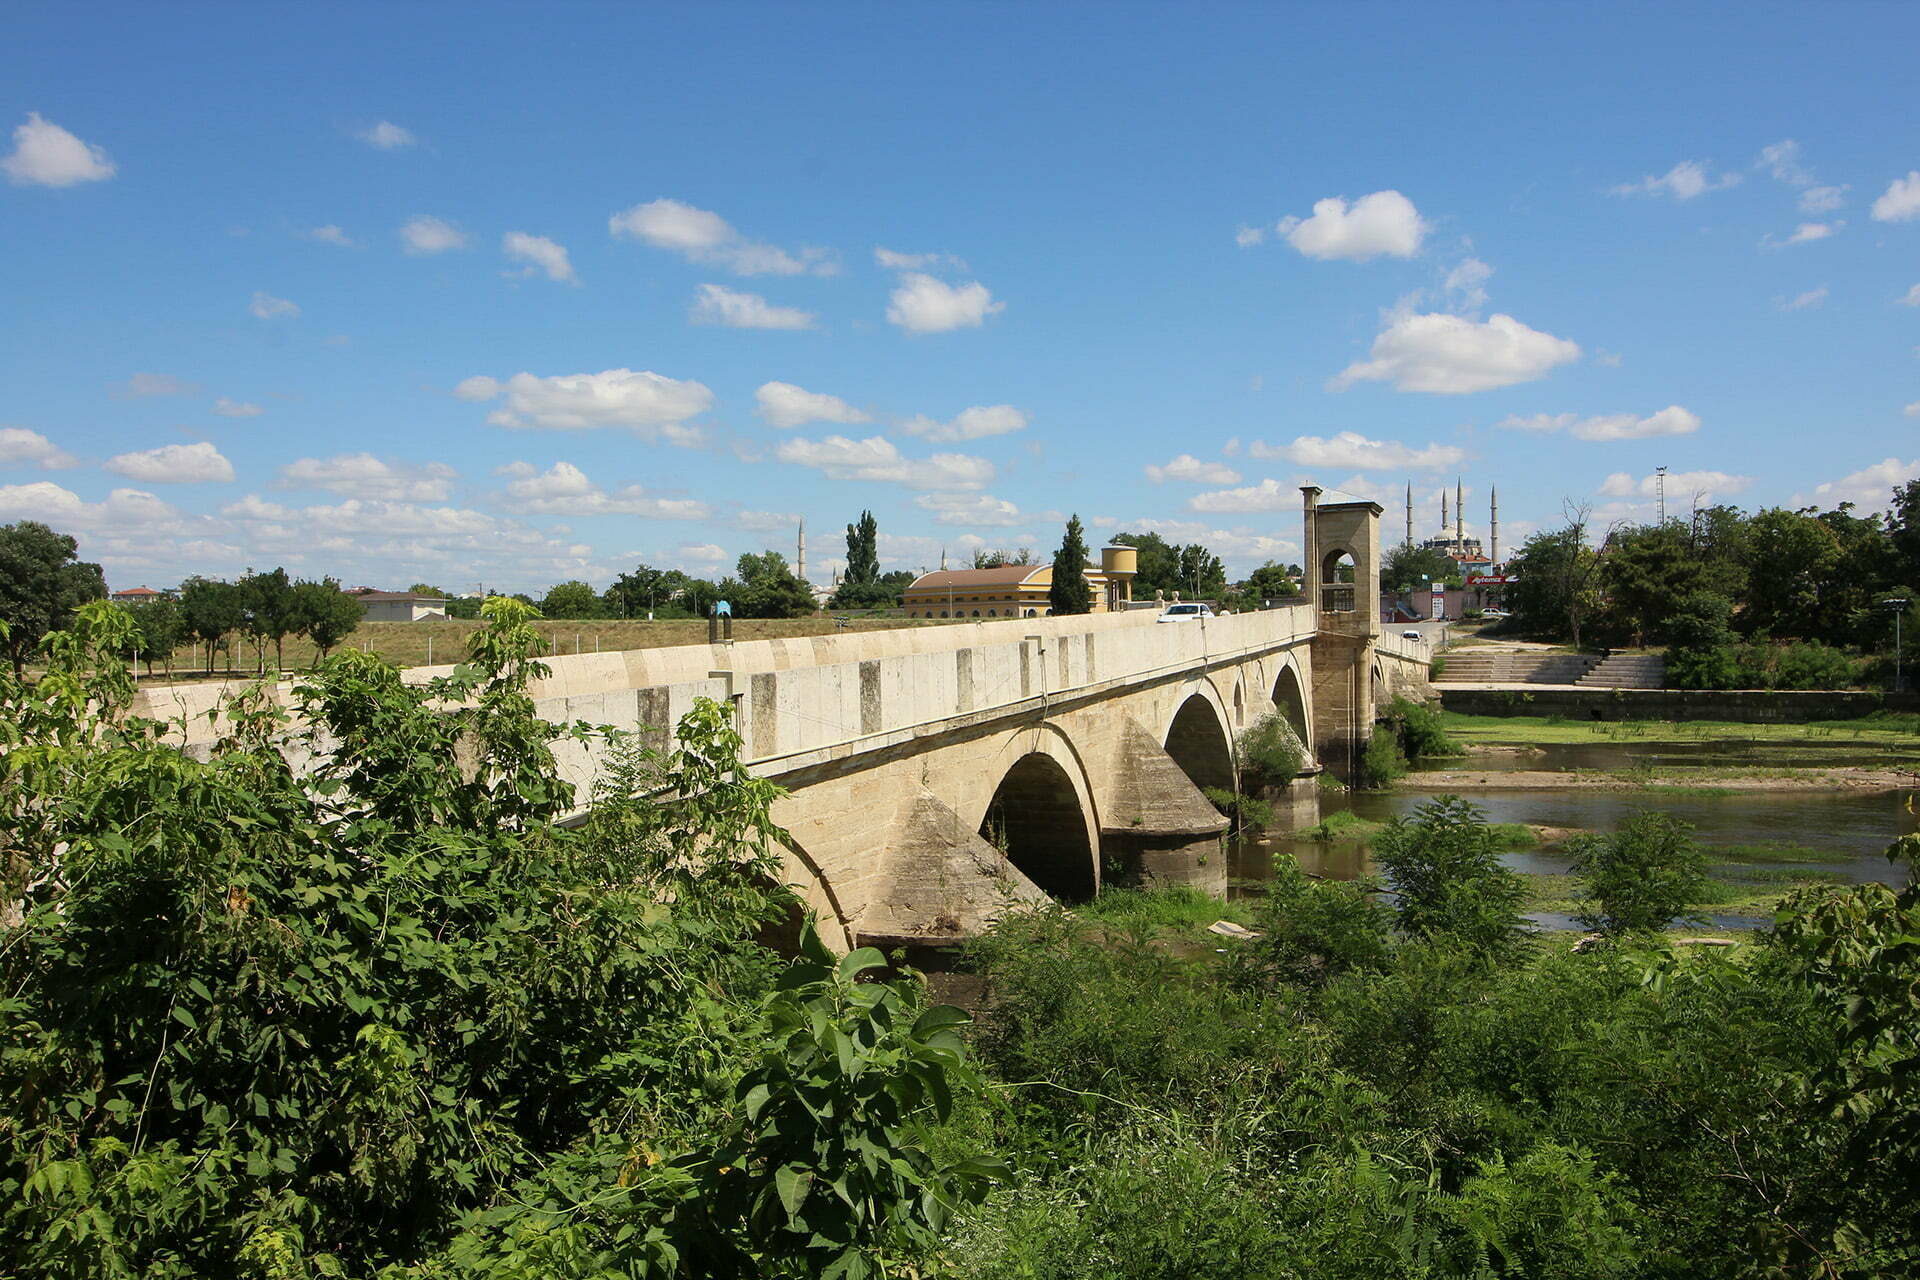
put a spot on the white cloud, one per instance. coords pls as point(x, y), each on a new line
point(1912, 410)
point(978, 510)
point(1382, 223)
point(717, 304)
point(267, 307)
point(564, 489)
point(1802, 302)
point(1681, 485)
point(424, 234)
point(387, 136)
point(1912, 298)
point(199, 463)
point(1466, 284)
point(915, 261)
point(1812, 231)
point(1350, 449)
point(976, 423)
point(331, 234)
point(700, 235)
point(1870, 488)
point(765, 521)
point(1684, 181)
point(1901, 202)
point(155, 384)
point(1247, 237)
point(541, 254)
point(1823, 199)
point(876, 458)
point(236, 408)
point(1670, 421)
point(701, 556)
point(648, 404)
point(923, 304)
point(45, 155)
point(361, 475)
point(1268, 495)
point(21, 447)
point(1782, 159)
point(1188, 467)
point(125, 509)
point(1450, 355)
point(784, 405)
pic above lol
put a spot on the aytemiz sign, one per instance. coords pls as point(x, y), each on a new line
point(1490, 580)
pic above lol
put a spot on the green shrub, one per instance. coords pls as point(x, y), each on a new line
point(1271, 753)
point(1314, 930)
point(1421, 730)
point(1444, 865)
point(1641, 877)
point(1812, 665)
point(1382, 763)
point(1437, 666)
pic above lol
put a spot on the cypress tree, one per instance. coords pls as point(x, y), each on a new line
point(863, 552)
point(1071, 592)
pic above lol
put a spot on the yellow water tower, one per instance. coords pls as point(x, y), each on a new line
point(1118, 565)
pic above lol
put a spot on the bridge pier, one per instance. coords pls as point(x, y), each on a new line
point(1157, 830)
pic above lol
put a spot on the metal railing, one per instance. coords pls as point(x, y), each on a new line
point(1336, 599)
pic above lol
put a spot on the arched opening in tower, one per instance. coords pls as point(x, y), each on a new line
point(1036, 820)
point(1291, 703)
point(1199, 744)
point(1338, 572)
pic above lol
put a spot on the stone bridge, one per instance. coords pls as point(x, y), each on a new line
point(933, 774)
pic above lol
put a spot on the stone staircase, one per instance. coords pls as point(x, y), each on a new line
point(1516, 666)
point(1628, 671)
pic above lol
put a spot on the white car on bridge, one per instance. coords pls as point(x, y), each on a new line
point(1187, 612)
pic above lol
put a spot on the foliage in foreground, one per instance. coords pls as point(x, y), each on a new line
point(388, 1016)
point(1359, 1093)
point(1641, 877)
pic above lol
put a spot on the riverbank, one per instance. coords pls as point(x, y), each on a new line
point(1699, 782)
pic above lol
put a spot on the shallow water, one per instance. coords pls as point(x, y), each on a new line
point(1856, 825)
point(1745, 753)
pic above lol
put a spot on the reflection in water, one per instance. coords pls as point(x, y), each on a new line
point(1858, 824)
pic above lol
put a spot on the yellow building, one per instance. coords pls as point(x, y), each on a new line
point(1017, 590)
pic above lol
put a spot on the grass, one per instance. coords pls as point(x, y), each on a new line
point(1882, 728)
point(1177, 910)
point(1756, 898)
point(413, 644)
point(1342, 826)
point(1777, 851)
point(1510, 836)
point(1682, 789)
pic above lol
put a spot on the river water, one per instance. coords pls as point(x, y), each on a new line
point(1851, 829)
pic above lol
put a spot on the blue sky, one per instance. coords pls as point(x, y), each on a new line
point(513, 293)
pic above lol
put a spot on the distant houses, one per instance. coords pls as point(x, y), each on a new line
point(401, 606)
point(137, 595)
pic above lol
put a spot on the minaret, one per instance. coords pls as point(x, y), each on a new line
point(800, 558)
point(1493, 524)
point(1409, 513)
point(1459, 518)
point(1443, 513)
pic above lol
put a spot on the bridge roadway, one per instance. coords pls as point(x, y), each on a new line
point(934, 774)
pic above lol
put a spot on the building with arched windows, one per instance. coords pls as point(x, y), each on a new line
point(1017, 590)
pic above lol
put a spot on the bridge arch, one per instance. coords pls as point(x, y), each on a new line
point(1042, 814)
point(1290, 701)
point(1199, 740)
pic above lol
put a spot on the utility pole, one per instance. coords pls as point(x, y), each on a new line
point(1661, 473)
point(1897, 606)
point(1409, 513)
point(1493, 525)
point(800, 569)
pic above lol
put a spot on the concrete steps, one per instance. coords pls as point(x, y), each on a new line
point(1515, 666)
point(1627, 671)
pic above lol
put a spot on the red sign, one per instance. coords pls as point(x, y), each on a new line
point(1490, 580)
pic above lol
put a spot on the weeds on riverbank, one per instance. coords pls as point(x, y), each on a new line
point(1357, 1094)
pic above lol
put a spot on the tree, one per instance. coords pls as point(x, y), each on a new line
point(1445, 868)
point(1202, 575)
point(327, 615)
point(642, 591)
point(159, 627)
point(1700, 652)
point(213, 611)
point(41, 584)
point(1640, 877)
point(1792, 557)
point(1408, 568)
point(573, 599)
point(1157, 562)
point(1645, 568)
point(863, 552)
point(1556, 589)
point(1270, 582)
point(271, 612)
point(427, 589)
point(1071, 592)
point(768, 589)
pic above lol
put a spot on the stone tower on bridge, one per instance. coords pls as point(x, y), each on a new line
point(1342, 563)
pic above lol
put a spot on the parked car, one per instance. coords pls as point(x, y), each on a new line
point(1413, 635)
point(1186, 612)
point(1495, 613)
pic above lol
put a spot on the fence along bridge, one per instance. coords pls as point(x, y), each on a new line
point(935, 773)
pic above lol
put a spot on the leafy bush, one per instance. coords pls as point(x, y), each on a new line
point(1382, 763)
point(1420, 730)
point(1812, 665)
point(1641, 877)
point(1314, 930)
point(1271, 754)
point(1444, 865)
